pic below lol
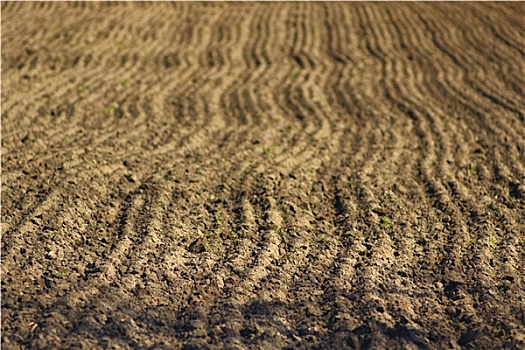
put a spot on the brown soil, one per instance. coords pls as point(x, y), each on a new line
point(263, 175)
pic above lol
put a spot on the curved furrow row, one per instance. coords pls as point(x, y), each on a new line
point(250, 95)
point(440, 166)
point(410, 94)
point(124, 242)
point(269, 210)
point(312, 99)
point(179, 98)
point(370, 166)
point(476, 218)
point(277, 115)
point(311, 92)
point(103, 275)
point(450, 103)
point(511, 34)
point(489, 127)
point(122, 245)
point(442, 35)
point(506, 79)
point(19, 231)
point(384, 241)
point(59, 240)
point(247, 105)
point(157, 98)
point(150, 109)
point(57, 137)
point(353, 91)
point(505, 128)
point(337, 36)
point(438, 128)
point(67, 88)
point(497, 56)
point(271, 246)
point(236, 252)
point(328, 260)
point(70, 33)
point(121, 276)
point(300, 73)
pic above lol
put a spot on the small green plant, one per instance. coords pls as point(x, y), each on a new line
point(472, 168)
point(218, 220)
point(387, 222)
point(111, 110)
point(80, 88)
point(493, 242)
point(270, 149)
point(61, 273)
point(69, 141)
point(123, 82)
point(234, 235)
point(321, 238)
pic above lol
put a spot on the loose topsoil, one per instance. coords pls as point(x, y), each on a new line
point(263, 175)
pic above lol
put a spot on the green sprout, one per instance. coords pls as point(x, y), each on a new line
point(387, 222)
point(80, 88)
point(270, 149)
point(61, 273)
point(123, 82)
point(111, 109)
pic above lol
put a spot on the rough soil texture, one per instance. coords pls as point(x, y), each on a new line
point(263, 175)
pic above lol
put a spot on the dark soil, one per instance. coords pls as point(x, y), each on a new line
point(263, 175)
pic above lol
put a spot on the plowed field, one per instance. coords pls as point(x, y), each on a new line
point(263, 175)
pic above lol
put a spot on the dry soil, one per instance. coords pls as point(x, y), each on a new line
point(263, 175)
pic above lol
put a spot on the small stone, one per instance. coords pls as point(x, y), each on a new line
point(220, 282)
point(131, 178)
